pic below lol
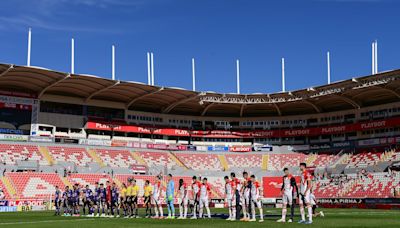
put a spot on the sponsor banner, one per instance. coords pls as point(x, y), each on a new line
point(264, 148)
point(95, 142)
point(119, 143)
point(201, 148)
point(322, 146)
point(368, 142)
point(191, 148)
point(27, 203)
point(341, 201)
point(17, 138)
point(272, 186)
point(41, 139)
point(11, 131)
point(344, 144)
point(299, 148)
point(218, 148)
point(139, 168)
point(339, 129)
point(240, 149)
point(11, 101)
point(218, 201)
point(70, 141)
point(3, 203)
point(8, 209)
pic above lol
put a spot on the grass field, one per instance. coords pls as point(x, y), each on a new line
point(333, 218)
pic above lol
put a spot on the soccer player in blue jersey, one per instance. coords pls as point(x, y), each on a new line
point(96, 199)
point(57, 201)
point(102, 199)
point(88, 201)
point(75, 199)
point(114, 200)
point(170, 197)
point(65, 200)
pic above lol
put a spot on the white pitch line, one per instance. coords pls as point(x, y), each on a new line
point(45, 221)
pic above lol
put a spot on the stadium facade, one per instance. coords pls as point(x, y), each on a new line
point(69, 128)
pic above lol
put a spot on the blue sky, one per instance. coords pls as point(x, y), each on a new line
point(214, 32)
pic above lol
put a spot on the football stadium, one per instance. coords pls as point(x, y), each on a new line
point(81, 150)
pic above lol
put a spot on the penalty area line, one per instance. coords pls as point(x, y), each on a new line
point(45, 221)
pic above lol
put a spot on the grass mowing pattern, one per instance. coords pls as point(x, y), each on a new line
point(333, 218)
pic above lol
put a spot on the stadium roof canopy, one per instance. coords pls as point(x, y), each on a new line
point(354, 93)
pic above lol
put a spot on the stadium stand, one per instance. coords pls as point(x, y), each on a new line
point(11, 153)
point(31, 185)
point(116, 158)
point(76, 155)
point(197, 161)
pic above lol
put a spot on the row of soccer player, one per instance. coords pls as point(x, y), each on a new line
point(241, 197)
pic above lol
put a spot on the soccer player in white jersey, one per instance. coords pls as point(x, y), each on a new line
point(245, 196)
point(230, 198)
point(305, 192)
point(237, 194)
point(195, 195)
point(314, 206)
point(156, 199)
point(183, 199)
point(255, 196)
point(205, 192)
point(288, 187)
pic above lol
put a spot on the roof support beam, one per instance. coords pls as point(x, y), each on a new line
point(101, 90)
point(313, 105)
point(277, 109)
point(242, 109)
point(174, 104)
point(390, 91)
point(6, 71)
point(348, 100)
point(129, 104)
point(52, 85)
point(206, 109)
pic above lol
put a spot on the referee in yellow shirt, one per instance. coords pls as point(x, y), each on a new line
point(123, 198)
point(134, 203)
point(148, 191)
point(128, 199)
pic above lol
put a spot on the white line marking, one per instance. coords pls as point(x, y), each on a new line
point(45, 221)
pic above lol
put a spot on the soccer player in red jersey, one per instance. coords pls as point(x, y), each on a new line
point(289, 186)
point(305, 192)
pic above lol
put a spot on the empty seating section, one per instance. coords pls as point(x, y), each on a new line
point(10, 153)
point(88, 179)
point(200, 161)
point(116, 158)
point(77, 155)
point(326, 189)
point(4, 189)
point(157, 159)
point(363, 160)
point(238, 160)
point(35, 185)
point(324, 160)
point(280, 161)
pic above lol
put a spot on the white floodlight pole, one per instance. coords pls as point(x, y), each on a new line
point(376, 56)
point(373, 57)
point(113, 62)
point(237, 77)
point(72, 56)
point(328, 62)
point(28, 59)
point(283, 74)
point(148, 69)
point(193, 75)
point(152, 69)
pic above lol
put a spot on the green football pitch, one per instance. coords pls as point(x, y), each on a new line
point(333, 218)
